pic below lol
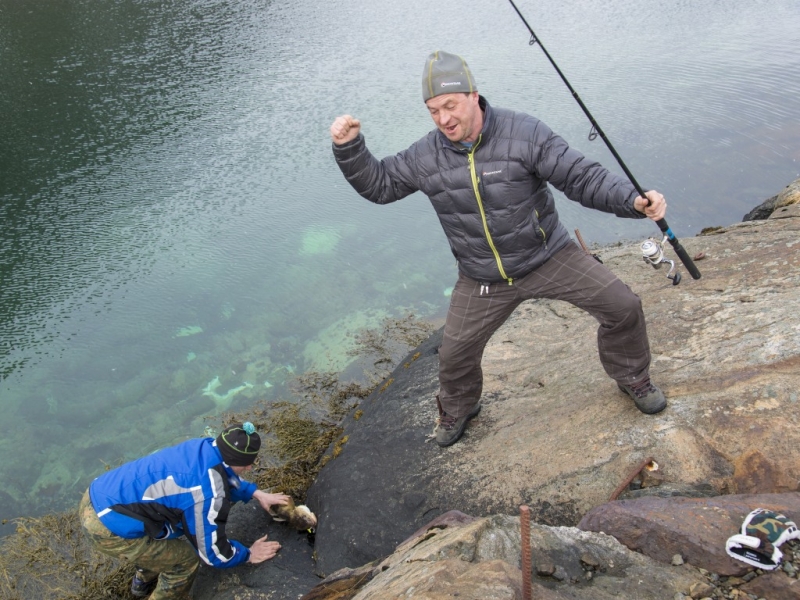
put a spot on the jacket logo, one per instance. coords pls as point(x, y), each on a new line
point(485, 173)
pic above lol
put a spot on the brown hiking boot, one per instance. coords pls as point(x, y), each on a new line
point(647, 397)
point(449, 429)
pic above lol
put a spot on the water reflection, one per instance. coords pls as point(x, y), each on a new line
point(177, 239)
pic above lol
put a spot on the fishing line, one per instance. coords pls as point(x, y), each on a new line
point(653, 256)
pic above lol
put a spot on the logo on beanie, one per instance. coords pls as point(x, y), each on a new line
point(446, 83)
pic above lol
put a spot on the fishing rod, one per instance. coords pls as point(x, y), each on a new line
point(652, 250)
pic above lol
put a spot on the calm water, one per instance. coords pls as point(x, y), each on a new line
point(176, 239)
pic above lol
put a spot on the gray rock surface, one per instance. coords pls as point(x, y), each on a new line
point(480, 558)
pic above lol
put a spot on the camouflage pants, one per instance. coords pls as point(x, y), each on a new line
point(174, 562)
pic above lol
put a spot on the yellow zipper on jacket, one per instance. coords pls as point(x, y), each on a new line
point(544, 235)
point(475, 187)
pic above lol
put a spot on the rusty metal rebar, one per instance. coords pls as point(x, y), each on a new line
point(581, 242)
point(630, 478)
point(525, 536)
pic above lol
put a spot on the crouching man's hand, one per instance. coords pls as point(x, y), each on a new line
point(266, 500)
point(262, 550)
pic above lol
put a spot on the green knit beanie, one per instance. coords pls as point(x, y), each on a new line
point(446, 73)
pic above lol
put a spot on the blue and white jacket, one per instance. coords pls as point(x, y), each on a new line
point(182, 490)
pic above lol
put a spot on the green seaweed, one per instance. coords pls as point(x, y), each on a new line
point(296, 439)
point(48, 557)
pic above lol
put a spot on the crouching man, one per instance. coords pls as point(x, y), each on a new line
point(163, 511)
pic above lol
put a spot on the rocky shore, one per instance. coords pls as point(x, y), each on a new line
point(623, 505)
point(401, 517)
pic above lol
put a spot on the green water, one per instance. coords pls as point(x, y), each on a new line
point(175, 238)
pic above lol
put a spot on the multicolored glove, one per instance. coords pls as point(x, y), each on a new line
point(763, 531)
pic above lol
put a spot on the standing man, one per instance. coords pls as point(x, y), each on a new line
point(138, 511)
point(486, 170)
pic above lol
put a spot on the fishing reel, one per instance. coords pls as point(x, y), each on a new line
point(653, 253)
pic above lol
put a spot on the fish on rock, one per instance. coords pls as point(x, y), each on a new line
point(299, 517)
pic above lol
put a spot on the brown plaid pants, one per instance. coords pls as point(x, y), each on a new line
point(570, 275)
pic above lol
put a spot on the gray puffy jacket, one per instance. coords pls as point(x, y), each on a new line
point(492, 200)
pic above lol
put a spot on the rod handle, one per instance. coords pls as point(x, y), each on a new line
point(679, 250)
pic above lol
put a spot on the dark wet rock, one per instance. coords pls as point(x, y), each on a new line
point(788, 196)
point(286, 577)
point(377, 491)
point(667, 490)
point(762, 211)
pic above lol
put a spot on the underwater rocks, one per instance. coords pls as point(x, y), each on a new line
point(188, 331)
point(223, 401)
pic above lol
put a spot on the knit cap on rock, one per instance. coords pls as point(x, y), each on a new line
point(446, 73)
point(239, 444)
